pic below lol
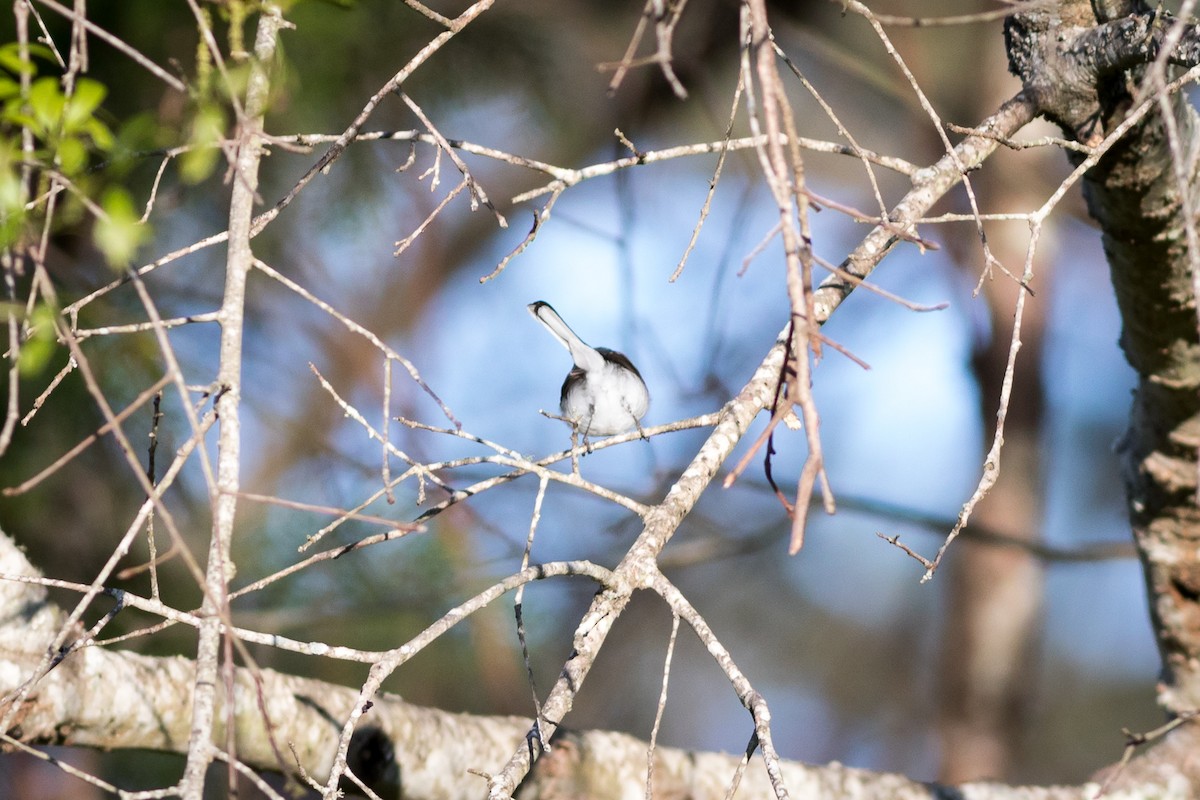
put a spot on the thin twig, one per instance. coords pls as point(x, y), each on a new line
point(426, 11)
point(702, 421)
point(40, 400)
point(750, 697)
point(627, 61)
point(662, 705)
point(393, 659)
point(518, 605)
point(1011, 8)
point(539, 218)
point(116, 42)
point(1133, 741)
point(712, 184)
point(403, 244)
point(355, 327)
point(143, 397)
point(477, 192)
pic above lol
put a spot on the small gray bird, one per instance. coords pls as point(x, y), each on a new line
point(603, 394)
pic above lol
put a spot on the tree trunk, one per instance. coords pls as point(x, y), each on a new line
point(1074, 69)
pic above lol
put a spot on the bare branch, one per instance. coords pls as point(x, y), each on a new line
point(116, 42)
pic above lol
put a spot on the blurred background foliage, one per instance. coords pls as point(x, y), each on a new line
point(850, 650)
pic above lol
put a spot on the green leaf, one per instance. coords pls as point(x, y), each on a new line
point(119, 232)
point(126, 149)
point(12, 210)
point(88, 96)
point(21, 120)
point(46, 101)
point(100, 134)
point(199, 162)
point(35, 355)
point(37, 350)
point(10, 57)
point(14, 113)
point(143, 132)
point(12, 195)
point(71, 155)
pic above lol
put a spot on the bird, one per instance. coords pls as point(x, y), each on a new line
point(603, 394)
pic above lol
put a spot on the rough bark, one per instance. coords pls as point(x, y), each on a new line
point(1077, 68)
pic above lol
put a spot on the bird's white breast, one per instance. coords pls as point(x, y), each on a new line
point(613, 404)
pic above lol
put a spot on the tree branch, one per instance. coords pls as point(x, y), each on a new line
point(220, 568)
point(424, 753)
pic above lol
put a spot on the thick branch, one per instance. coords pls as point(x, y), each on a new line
point(1066, 59)
point(112, 699)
